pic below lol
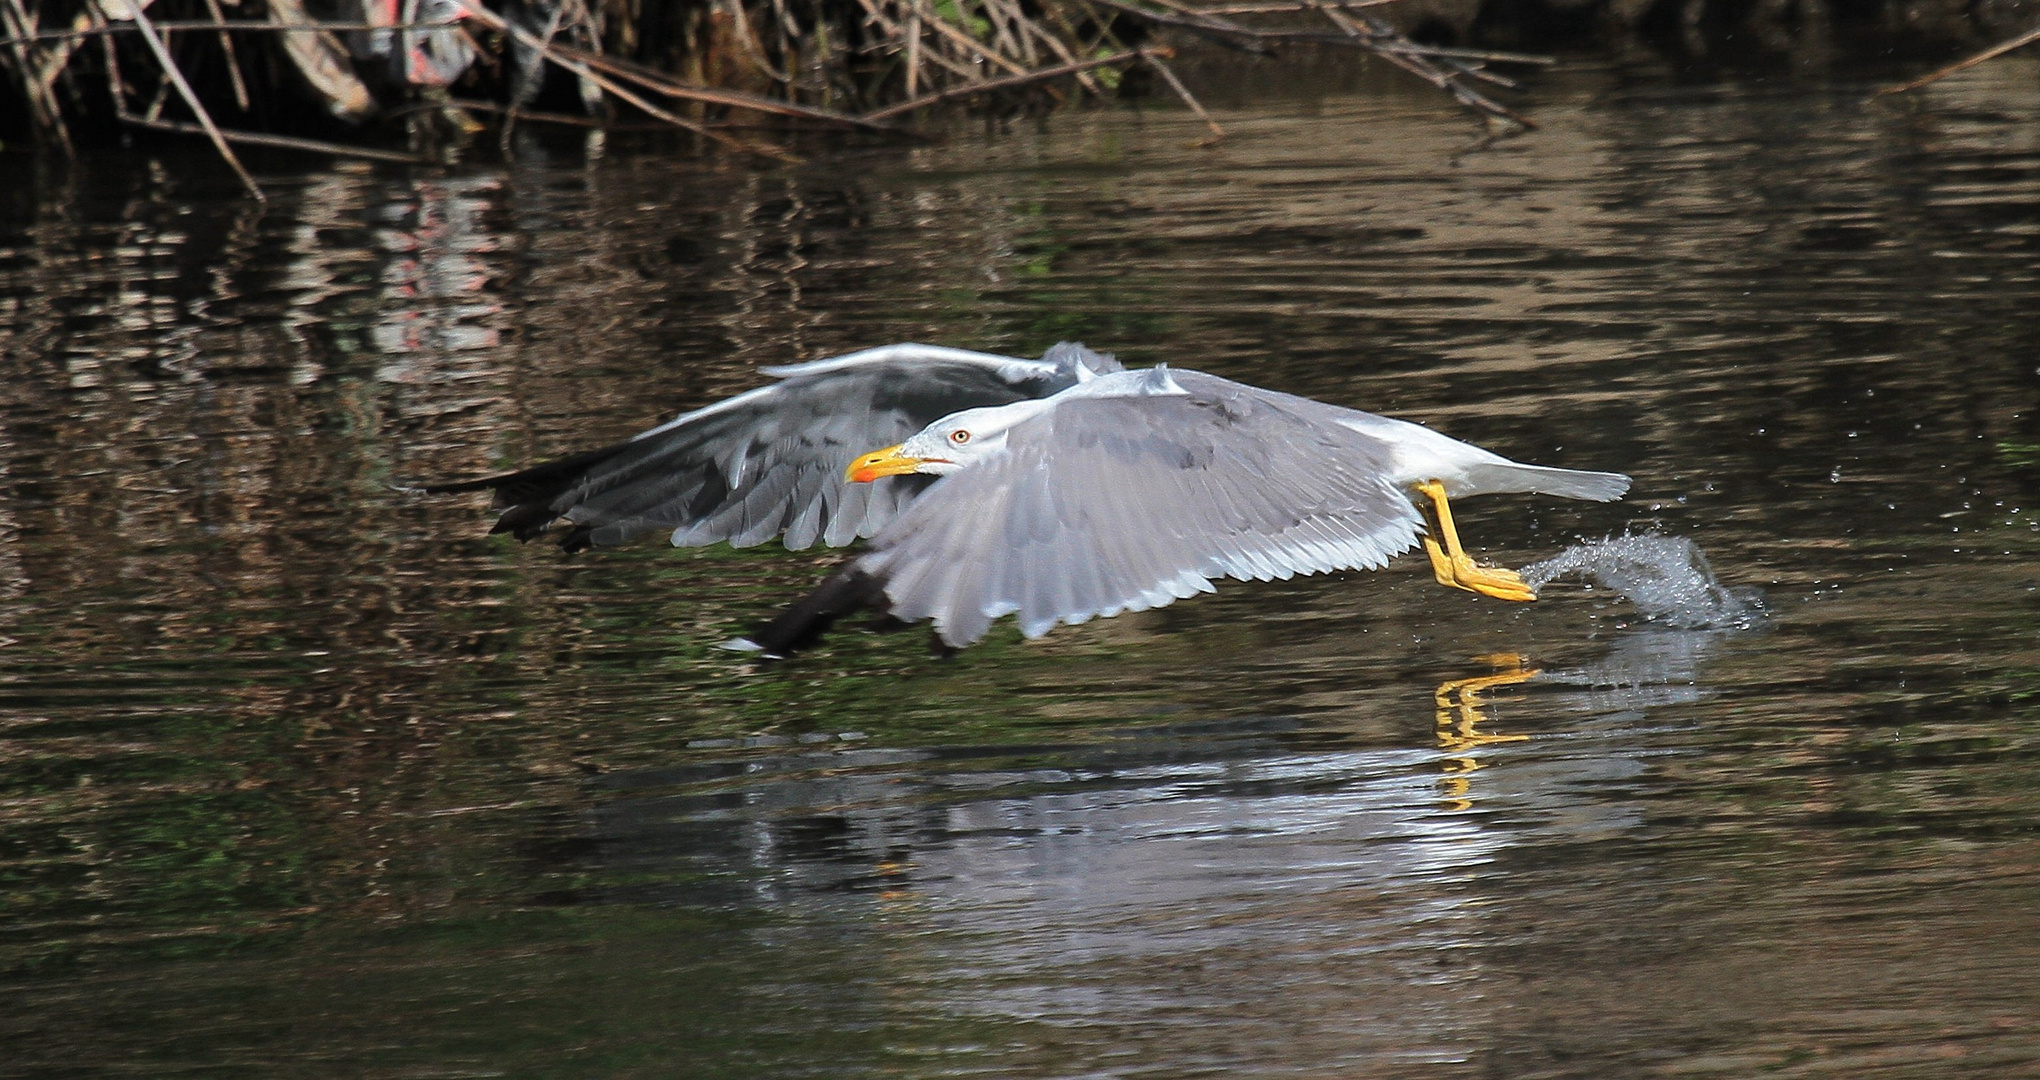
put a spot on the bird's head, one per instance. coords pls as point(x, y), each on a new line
point(948, 444)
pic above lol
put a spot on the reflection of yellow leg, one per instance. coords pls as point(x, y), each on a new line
point(898, 888)
point(1459, 709)
point(1459, 703)
point(1458, 789)
point(1450, 562)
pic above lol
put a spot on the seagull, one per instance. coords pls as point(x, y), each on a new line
point(1129, 490)
point(771, 462)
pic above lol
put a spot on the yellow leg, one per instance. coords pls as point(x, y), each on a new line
point(1452, 565)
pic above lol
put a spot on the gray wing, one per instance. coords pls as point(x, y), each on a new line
point(1109, 504)
point(771, 461)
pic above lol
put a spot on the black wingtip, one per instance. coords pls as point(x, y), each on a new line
point(803, 623)
point(524, 520)
point(526, 498)
point(578, 538)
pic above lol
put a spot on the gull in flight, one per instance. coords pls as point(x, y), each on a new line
point(1135, 489)
point(1055, 490)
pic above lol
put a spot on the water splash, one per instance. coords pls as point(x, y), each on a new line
point(1666, 577)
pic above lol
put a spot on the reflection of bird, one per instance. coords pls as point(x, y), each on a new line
point(1135, 489)
point(771, 461)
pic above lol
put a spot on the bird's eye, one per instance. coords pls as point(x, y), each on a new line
point(959, 436)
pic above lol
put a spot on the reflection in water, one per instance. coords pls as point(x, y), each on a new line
point(303, 777)
point(1460, 707)
point(435, 288)
point(1020, 873)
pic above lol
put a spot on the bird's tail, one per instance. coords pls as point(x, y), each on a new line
point(1544, 480)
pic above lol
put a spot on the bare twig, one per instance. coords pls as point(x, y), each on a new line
point(1189, 12)
point(524, 79)
point(42, 100)
point(1479, 56)
point(753, 46)
point(116, 87)
point(253, 26)
point(558, 55)
point(1221, 31)
point(1155, 62)
point(285, 142)
point(1994, 51)
point(161, 99)
point(1391, 45)
point(571, 120)
point(1003, 20)
point(965, 47)
point(899, 36)
point(191, 100)
point(1443, 68)
point(227, 47)
point(1295, 5)
point(913, 49)
point(970, 44)
point(1010, 82)
point(1056, 46)
point(522, 114)
point(736, 99)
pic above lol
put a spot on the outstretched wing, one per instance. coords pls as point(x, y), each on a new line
point(771, 461)
point(1107, 504)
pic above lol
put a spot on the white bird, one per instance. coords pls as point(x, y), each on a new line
point(1131, 490)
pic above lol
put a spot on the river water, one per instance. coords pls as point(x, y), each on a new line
point(306, 776)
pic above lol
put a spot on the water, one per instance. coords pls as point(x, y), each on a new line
point(305, 776)
point(1665, 578)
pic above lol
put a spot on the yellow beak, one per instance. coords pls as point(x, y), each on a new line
point(886, 462)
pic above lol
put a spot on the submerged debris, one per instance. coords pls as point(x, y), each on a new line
point(1666, 577)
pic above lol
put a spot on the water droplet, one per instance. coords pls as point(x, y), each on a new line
point(1666, 578)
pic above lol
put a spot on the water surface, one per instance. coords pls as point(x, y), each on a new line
point(305, 776)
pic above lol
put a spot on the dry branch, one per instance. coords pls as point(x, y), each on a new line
point(285, 142)
point(555, 54)
point(1357, 29)
point(1168, 76)
point(43, 108)
point(1011, 82)
point(1993, 52)
point(252, 26)
point(1212, 28)
point(190, 96)
point(914, 53)
point(227, 48)
point(736, 99)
